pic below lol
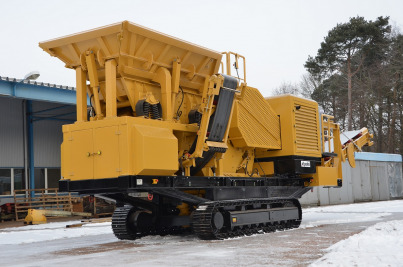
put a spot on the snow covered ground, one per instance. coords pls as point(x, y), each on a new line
point(378, 245)
point(366, 234)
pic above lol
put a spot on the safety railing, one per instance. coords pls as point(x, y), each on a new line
point(327, 132)
point(226, 68)
point(331, 147)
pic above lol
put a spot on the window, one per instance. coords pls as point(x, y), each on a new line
point(47, 178)
point(39, 178)
point(19, 179)
point(14, 179)
point(54, 176)
point(5, 181)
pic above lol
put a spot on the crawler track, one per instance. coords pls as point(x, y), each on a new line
point(204, 220)
point(203, 225)
point(122, 225)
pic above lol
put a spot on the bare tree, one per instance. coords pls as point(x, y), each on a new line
point(308, 85)
point(286, 88)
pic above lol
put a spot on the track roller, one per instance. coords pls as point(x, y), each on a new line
point(231, 218)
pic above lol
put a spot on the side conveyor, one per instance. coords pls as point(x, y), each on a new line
point(218, 121)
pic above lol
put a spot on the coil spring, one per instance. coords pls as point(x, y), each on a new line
point(155, 113)
point(146, 109)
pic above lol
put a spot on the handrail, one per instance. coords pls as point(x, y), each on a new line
point(236, 65)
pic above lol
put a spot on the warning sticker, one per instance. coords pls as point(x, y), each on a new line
point(305, 163)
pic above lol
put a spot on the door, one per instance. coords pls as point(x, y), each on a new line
point(106, 152)
point(81, 165)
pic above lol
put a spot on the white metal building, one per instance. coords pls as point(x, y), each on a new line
point(31, 116)
point(377, 176)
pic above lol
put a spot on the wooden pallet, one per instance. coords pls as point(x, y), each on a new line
point(49, 199)
point(7, 218)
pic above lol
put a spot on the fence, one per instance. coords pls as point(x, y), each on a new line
point(41, 199)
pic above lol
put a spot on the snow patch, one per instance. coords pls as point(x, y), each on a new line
point(51, 231)
point(358, 212)
point(379, 245)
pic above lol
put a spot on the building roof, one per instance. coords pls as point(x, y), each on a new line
point(378, 157)
point(14, 80)
point(40, 91)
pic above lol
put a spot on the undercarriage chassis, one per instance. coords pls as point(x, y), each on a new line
point(211, 207)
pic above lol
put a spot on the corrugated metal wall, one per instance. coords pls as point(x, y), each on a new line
point(47, 140)
point(395, 184)
point(47, 133)
point(370, 180)
point(11, 132)
point(47, 136)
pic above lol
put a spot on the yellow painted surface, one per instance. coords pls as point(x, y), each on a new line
point(264, 168)
point(122, 146)
point(139, 52)
point(35, 217)
point(106, 152)
point(232, 159)
point(299, 124)
point(110, 81)
point(80, 148)
point(325, 176)
point(121, 64)
point(155, 151)
point(81, 94)
point(254, 123)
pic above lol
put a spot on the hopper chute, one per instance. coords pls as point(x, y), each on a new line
point(142, 58)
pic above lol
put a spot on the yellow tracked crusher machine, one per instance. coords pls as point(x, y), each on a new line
point(181, 146)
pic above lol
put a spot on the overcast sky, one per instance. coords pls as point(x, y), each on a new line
point(276, 37)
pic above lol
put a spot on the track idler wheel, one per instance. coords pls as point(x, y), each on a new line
point(123, 223)
point(294, 223)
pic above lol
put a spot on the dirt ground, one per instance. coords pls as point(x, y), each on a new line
point(8, 224)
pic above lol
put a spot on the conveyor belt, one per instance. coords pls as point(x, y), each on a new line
point(218, 121)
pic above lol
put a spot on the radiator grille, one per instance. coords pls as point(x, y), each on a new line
point(306, 128)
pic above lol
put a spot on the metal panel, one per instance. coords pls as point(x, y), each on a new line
point(48, 133)
point(47, 140)
point(365, 181)
point(348, 182)
point(395, 179)
point(254, 124)
point(323, 196)
point(356, 181)
point(373, 170)
point(383, 182)
point(361, 182)
point(139, 51)
point(379, 180)
point(339, 195)
point(106, 158)
point(11, 133)
point(310, 197)
point(7, 199)
point(306, 127)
